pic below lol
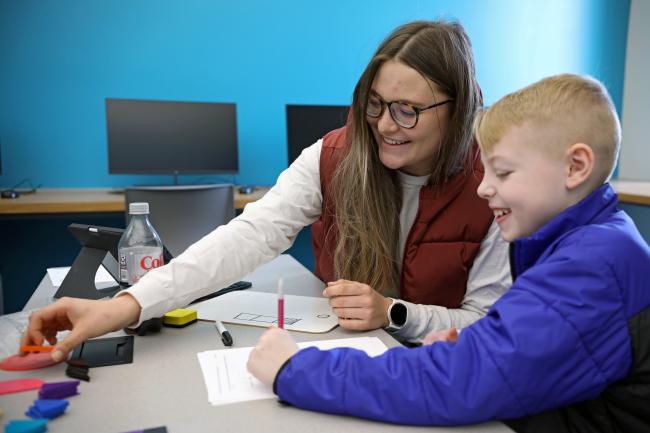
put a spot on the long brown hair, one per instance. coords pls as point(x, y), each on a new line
point(367, 195)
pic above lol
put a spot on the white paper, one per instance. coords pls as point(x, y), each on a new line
point(248, 307)
point(58, 274)
point(227, 380)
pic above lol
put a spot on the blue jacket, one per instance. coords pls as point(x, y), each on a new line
point(558, 336)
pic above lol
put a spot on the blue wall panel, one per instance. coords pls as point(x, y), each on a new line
point(61, 59)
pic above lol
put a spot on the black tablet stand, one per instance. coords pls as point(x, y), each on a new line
point(99, 248)
point(80, 280)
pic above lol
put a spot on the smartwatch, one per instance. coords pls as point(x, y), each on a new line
point(397, 313)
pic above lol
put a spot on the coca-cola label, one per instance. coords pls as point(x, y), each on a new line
point(135, 262)
point(147, 262)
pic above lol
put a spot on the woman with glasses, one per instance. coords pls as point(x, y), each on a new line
point(399, 234)
point(401, 226)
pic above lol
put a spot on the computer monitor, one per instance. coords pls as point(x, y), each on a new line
point(307, 123)
point(171, 137)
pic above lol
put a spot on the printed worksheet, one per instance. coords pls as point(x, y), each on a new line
point(228, 381)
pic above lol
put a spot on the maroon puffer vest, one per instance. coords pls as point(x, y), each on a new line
point(446, 235)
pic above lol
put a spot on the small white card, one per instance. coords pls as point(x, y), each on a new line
point(58, 274)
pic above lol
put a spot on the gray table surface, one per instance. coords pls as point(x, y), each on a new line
point(164, 384)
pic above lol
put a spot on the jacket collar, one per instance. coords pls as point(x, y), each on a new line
point(525, 252)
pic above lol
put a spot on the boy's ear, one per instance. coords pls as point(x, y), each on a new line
point(580, 164)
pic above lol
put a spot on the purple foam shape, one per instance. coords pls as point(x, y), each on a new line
point(58, 390)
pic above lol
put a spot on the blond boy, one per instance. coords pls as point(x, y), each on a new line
point(567, 348)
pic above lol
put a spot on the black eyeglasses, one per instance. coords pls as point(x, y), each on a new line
point(405, 115)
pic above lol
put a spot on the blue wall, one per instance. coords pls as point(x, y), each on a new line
point(59, 60)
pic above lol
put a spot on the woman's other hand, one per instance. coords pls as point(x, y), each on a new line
point(357, 305)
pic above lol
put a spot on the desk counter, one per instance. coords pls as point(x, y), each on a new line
point(87, 200)
point(634, 192)
point(100, 200)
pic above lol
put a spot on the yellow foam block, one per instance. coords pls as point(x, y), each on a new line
point(180, 317)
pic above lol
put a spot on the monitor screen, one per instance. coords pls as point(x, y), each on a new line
point(308, 123)
point(161, 137)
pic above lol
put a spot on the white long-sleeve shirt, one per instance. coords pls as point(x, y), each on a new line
point(268, 226)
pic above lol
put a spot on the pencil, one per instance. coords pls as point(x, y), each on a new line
point(280, 304)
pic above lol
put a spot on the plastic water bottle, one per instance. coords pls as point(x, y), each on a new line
point(140, 248)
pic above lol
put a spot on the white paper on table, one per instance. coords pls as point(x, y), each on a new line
point(227, 380)
point(251, 308)
point(58, 274)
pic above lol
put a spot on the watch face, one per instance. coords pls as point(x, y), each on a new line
point(398, 314)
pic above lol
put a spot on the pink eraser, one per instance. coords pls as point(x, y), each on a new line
point(31, 361)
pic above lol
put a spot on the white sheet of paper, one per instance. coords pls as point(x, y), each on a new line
point(301, 313)
point(58, 274)
point(227, 380)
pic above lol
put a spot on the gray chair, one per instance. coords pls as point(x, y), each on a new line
point(184, 214)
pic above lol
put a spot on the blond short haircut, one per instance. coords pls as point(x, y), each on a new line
point(574, 108)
